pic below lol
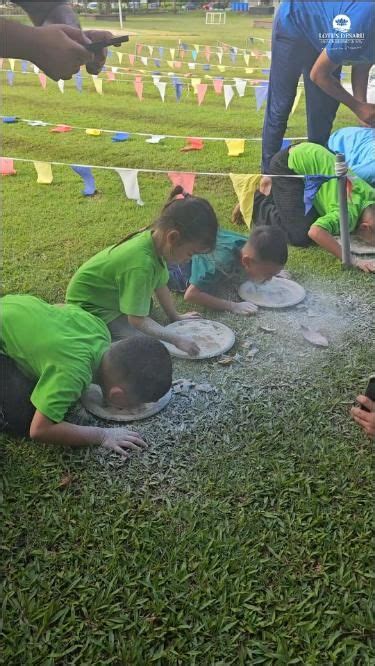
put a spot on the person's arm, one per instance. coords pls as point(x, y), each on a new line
point(194, 295)
point(44, 13)
point(322, 75)
point(366, 419)
point(148, 326)
point(360, 74)
point(166, 301)
point(46, 431)
point(58, 50)
point(323, 238)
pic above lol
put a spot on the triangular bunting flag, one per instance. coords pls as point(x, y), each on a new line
point(93, 132)
point(120, 136)
point(172, 52)
point(191, 65)
point(192, 144)
point(196, 47)
point(207, 53)
point(261, 93)
point(131, 57)
point(150, 49)
point(233, 56)
point(129, 179)
point(178, 90)
point(249, 70)
point(240, 86)
point(120, 56)
point(245, 186)
point(177, 64)
point(155, 79)
point(201, 91)
point(36, 123)
point(186, 180)
point(170, 64)
point(138, 86)
point(10, 78)
point(194, 54)
point(42, 79)
point(246, 58)
point(161, 86)
point(195, 83)
point(114, 70)
point(285, 144)
point(139, 49)
point(88, 179)
point(12, 63)
point(111, 76)
point(78, 81)
point(220, 56)
point(44, 171)
point(218, 86)
point(9, 120)
point(155, 138)
point(60, 85)
point(161, 51)
point(98, 83)
point(61, 128)
point(296, 100)
point(157, 62)
point(24, 66)
point(221, 68)
point(235, 147)
point(228, 95)
point(36, 69)
point(144, 61)
point(7, 167)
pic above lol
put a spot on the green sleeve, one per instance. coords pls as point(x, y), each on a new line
point(204, 275)
point(135, 290)
point(330, 222)
point(164, 278)
point(57, 390)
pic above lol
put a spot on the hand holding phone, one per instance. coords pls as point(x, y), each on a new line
point(96, 47)
point(370, 392)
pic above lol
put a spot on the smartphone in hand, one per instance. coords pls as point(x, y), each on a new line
point(370, 391)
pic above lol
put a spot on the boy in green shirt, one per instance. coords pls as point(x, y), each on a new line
point(50, 354)
point(283, 203)
point(258, 258)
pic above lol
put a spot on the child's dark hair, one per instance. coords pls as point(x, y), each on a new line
point(144, 365)
point(193, 217)
point(270, 244)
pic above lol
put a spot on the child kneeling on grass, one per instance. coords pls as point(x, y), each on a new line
point(118, 283)
point(49, 355)
point(259, 258)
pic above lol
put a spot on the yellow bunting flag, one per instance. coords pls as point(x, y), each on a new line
point(120, 56)
point(249, 70)
point(195, 83)
point(93, 132)
point(170, 63)
point(196, 47)
point(245, 186)
point(235, 147)
point(296, 101)
point(246, 58)
point(44, 171)
point(98, 83)
point(221, 68)
point(12, 62)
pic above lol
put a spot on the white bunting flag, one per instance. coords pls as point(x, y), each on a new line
point(240, 86)
point(120, 56)
point(129, 179)
point(155, 138)
point(144, 60)
point(191, 65)
point(228, 95)
point(161, 86)
point(61, 84)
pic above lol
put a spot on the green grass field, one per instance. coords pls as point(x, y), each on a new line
point(243, 536)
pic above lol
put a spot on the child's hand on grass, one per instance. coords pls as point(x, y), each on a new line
point(122, 440)
point(365, 265)
point(187, 345)
point(365, 419)
point(245, 308)
point(188, 315)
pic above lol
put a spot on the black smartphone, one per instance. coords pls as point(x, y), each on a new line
point(370, 391)
point(95, 47)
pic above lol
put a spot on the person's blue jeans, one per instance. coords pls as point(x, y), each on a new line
point(290, 59)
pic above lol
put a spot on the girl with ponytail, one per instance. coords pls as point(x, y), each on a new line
point(118, 283)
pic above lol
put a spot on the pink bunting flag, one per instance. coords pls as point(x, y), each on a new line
point(42, 79)
point(61, 128)
point(218, 86)
point(131, 58)
point(139, 49)
point(111, 76)
point(192, 144)
point(186, 180)
point(138, 85)
point(177, 64)
point(201, 91)
point(207, 52)
point(6, 167)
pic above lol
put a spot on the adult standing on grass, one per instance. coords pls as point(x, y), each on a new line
point(315, 39)
point(55, 43)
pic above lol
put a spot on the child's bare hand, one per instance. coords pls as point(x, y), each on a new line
point(365, 265)
point(189, 315)
point(122, 440)
point(245, 308)
point(187, 345)
point(365, 419)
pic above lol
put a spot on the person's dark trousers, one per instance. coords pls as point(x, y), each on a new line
point(16, 410)
point(290, 59)
point(285, 207)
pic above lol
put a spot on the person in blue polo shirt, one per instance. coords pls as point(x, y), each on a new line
point(358, 146)
point(315, 39)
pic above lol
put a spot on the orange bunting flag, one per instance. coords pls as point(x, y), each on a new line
point(131, 57)
point(42, 80)
point(6, 167)
point(192, 144)
point(218, 86)
point(186, 180)
point(61, 128)
point(111, 76)
point(139, 49)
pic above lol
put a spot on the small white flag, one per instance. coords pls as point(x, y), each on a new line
point(129, 179)
point(228, 95)
point(240, 86)
point(161, 86)
point(61, 84)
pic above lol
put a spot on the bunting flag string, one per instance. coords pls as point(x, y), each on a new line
point(97, 132)
point(88, 179)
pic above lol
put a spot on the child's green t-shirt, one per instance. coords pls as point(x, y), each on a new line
point(312, 159)
point(59, 347)
point(208, 270)
point(119, 280)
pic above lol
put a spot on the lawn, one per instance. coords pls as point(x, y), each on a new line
point(244, 534)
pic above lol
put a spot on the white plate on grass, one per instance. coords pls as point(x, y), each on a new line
point(92, 400)
point(276, 293)
point(212, 337)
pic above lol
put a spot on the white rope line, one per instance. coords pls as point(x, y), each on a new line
point(167, 136)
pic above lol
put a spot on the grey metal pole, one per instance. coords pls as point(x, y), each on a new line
point(341, 170)
point(120, 13)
